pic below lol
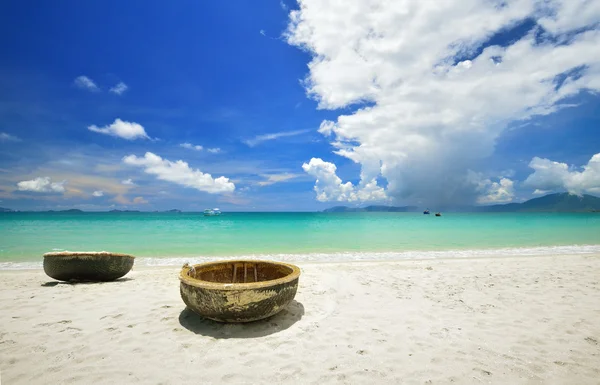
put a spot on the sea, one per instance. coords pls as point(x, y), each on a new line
point(164, 239)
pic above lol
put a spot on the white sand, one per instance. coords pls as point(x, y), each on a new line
point(501, 321)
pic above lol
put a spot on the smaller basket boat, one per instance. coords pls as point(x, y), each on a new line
point(87, 266)
point(238, 291)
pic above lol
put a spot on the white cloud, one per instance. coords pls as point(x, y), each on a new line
point(262, 32)
point(86, 83)
point(276, 135)
point(437, 104)
point(491, 192)
point(122, 129)
point(179, 172)
point(128, 182)
point(276, 178)
point(119, 88)
point(139, 201)
point(4, 137)
point(283, 5)
point(329, 186)
point(191, 146)
point(541, 192)
point(98, 193)
point(42, 185)
point(554, 176)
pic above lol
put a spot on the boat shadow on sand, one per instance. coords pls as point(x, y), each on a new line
point(77, 282)
point(280, 321)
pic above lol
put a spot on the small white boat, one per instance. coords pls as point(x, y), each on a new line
point(212, 212)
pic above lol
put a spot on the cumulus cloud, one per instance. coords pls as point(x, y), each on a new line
point(4, 137)
point(119, 88)
point(276, 135)
point(426, 95)
point(540, 192)
point(215, 150)
point(98, 193)
point(551, 176)
point(122, 129)
point(128, 182)
point(41, 185)
point(139, 200)
point(179, 172)
point(86, 83)
point(276, 178)
point(329, 186)
point(491, 192)
point(190, 146)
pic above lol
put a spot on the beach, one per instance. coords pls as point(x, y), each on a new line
point(512, 320)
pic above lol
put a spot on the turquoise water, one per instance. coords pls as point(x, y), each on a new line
point(24, 237)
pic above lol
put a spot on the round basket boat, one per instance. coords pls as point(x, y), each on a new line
point(87, 266)
point(238, 291)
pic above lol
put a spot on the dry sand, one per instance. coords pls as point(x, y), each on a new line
point(501, 321)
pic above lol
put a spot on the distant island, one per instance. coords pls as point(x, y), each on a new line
point(73, 211)
point(560, 202)
point(78, 211)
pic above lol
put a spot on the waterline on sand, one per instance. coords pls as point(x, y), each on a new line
point(354, 256)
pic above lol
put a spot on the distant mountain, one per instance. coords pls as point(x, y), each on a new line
point(71, 211)
point(388, 209)
point(124, 211)
point(76, 211)
point(561, 202)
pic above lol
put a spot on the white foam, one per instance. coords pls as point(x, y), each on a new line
point(20, 265)
point(353, 256)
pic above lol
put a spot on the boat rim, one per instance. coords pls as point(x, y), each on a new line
point(86, 254)
point(185, 278)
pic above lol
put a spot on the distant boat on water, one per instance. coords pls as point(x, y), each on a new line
point(212, 212)
point(438, 214)
point(426, 212)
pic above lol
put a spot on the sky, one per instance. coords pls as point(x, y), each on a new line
point(297, 106)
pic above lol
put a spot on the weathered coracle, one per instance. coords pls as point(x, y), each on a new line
point(238, 291)
point(87, 266)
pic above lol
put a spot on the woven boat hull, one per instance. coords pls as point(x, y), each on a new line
point(87, 266)
point(228, 301)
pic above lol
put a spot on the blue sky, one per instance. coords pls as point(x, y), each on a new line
point(246, 90)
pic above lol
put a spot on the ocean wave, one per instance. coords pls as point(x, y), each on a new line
point(353, 256)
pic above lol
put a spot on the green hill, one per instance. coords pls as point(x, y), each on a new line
point(561, 202)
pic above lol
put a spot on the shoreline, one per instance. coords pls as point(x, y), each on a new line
point(337, 257)
point(517, 320)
